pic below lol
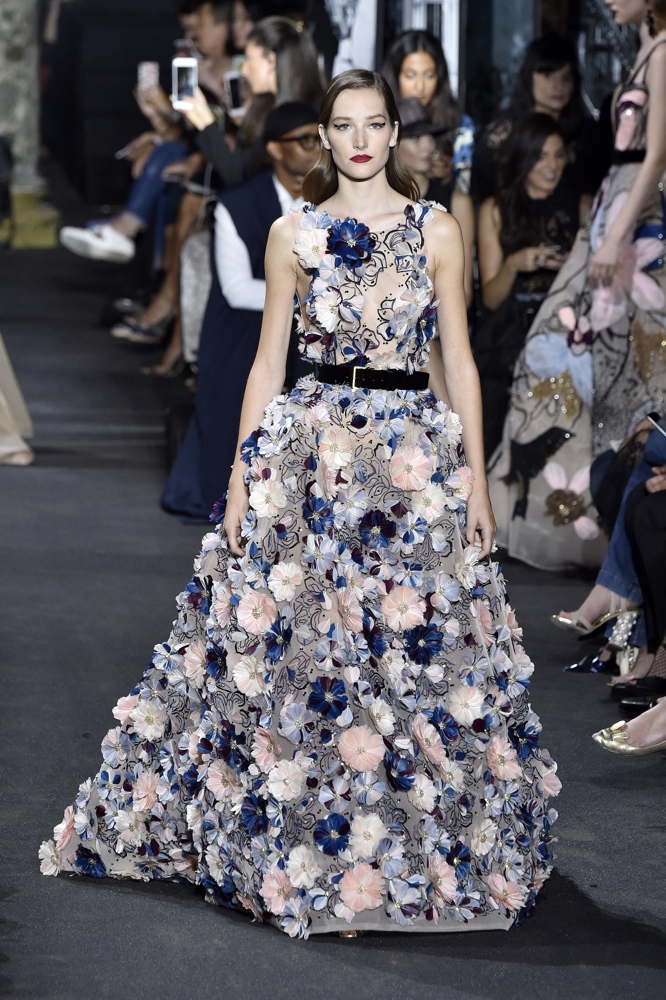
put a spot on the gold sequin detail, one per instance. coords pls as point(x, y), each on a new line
point(562, 387)
point(564, 506)
point(649, 349)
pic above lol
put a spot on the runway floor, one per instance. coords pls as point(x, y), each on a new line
point(89, 567)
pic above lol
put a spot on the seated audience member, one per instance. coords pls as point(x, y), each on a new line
point(524, 236)
point(548, 82)
point(415, 67)
point(630, 586)
point(417, 148)
point(153, 198)
point(232, 323)
point(281, 65)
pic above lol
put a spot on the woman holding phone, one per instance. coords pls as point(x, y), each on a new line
point(524, 237)
point(337, 737)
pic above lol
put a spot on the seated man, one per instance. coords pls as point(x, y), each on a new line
point(232, 323)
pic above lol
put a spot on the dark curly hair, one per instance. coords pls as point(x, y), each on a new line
point(523, 149)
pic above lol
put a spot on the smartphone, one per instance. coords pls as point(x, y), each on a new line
point(654, 419)
point(555, 248)
point(184, 81)
point(148, 76)
point(235, 92)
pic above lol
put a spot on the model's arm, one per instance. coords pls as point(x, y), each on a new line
point(462, 209)
point(234, 269)
point(445, 247)
point(267, 375)
point(604, 262)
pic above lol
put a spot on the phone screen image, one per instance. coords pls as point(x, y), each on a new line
point(148, 75)
point(186, 77)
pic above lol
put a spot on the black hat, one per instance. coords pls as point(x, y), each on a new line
point(286, 117)
point(416, 120)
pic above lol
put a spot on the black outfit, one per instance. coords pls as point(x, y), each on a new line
point(441, 193)
point(229, 339)
point(500, 333)
point(233, 165)
point(589, 151)
point(645, 521)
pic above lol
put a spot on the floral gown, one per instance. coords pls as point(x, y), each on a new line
point(593, 365)
point(337, 732)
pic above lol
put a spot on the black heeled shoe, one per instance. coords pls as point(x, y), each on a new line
point(593, 664)
point(655, 687)
point(631, 707)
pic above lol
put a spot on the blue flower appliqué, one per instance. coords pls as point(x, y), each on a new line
point(351, 242)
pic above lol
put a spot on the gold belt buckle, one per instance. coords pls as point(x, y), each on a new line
point(354, 370)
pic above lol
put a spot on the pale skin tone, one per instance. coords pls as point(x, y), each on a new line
point(604, 263)
point(360, 125)
point(498, 272)
point(418, 152)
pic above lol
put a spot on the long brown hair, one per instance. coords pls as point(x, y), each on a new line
point(443, 108)
point(322, 181)
point(296, 69)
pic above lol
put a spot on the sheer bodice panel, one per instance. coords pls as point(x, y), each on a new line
point(370, 300)
point(631, 103)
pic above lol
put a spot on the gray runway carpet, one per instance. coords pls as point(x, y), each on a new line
point(89, 567)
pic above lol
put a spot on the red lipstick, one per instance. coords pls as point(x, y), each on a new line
point(361, 158)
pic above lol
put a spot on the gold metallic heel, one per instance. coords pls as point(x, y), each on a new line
point(615, 739)
point(348, 934)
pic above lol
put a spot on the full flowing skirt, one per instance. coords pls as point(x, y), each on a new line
point(337, 732)
point(593, 364)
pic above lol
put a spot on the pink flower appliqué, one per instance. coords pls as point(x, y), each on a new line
point(503, 759)
point(403, 608)
point(609, 302)
point(275, 890)
point(256, 611)
point(222, 781)
point(566, 504)
point(265, 749)
point(361, 748)
point(361, 888)
point(580, 330)
point(145, 791)
point(428, 739)
point(410, 468)
point(443, 878)
point(508, 894)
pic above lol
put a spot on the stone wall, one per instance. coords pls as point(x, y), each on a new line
point(19, 88)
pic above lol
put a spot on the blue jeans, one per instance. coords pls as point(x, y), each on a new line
point(617, 570)
point(151, 198)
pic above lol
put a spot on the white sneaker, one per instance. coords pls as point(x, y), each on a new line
point(99, 243)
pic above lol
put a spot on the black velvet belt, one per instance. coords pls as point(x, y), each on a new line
point(371, 378)
point(627, 156)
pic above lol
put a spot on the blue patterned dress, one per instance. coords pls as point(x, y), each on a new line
point(337, 732)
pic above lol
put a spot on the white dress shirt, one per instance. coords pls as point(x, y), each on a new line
point(234, 270)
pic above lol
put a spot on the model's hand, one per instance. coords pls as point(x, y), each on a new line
point(237, 508)
point(604, 263)
point(199, 115)
point(481, 525)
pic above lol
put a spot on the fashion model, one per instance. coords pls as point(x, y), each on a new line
point(337, 734)
point(594, 362)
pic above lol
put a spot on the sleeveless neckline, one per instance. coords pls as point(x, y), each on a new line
point(420, 222)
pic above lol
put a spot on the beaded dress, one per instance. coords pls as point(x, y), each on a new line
point(337, 733)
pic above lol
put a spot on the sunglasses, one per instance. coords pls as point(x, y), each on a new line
point(307, 142)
